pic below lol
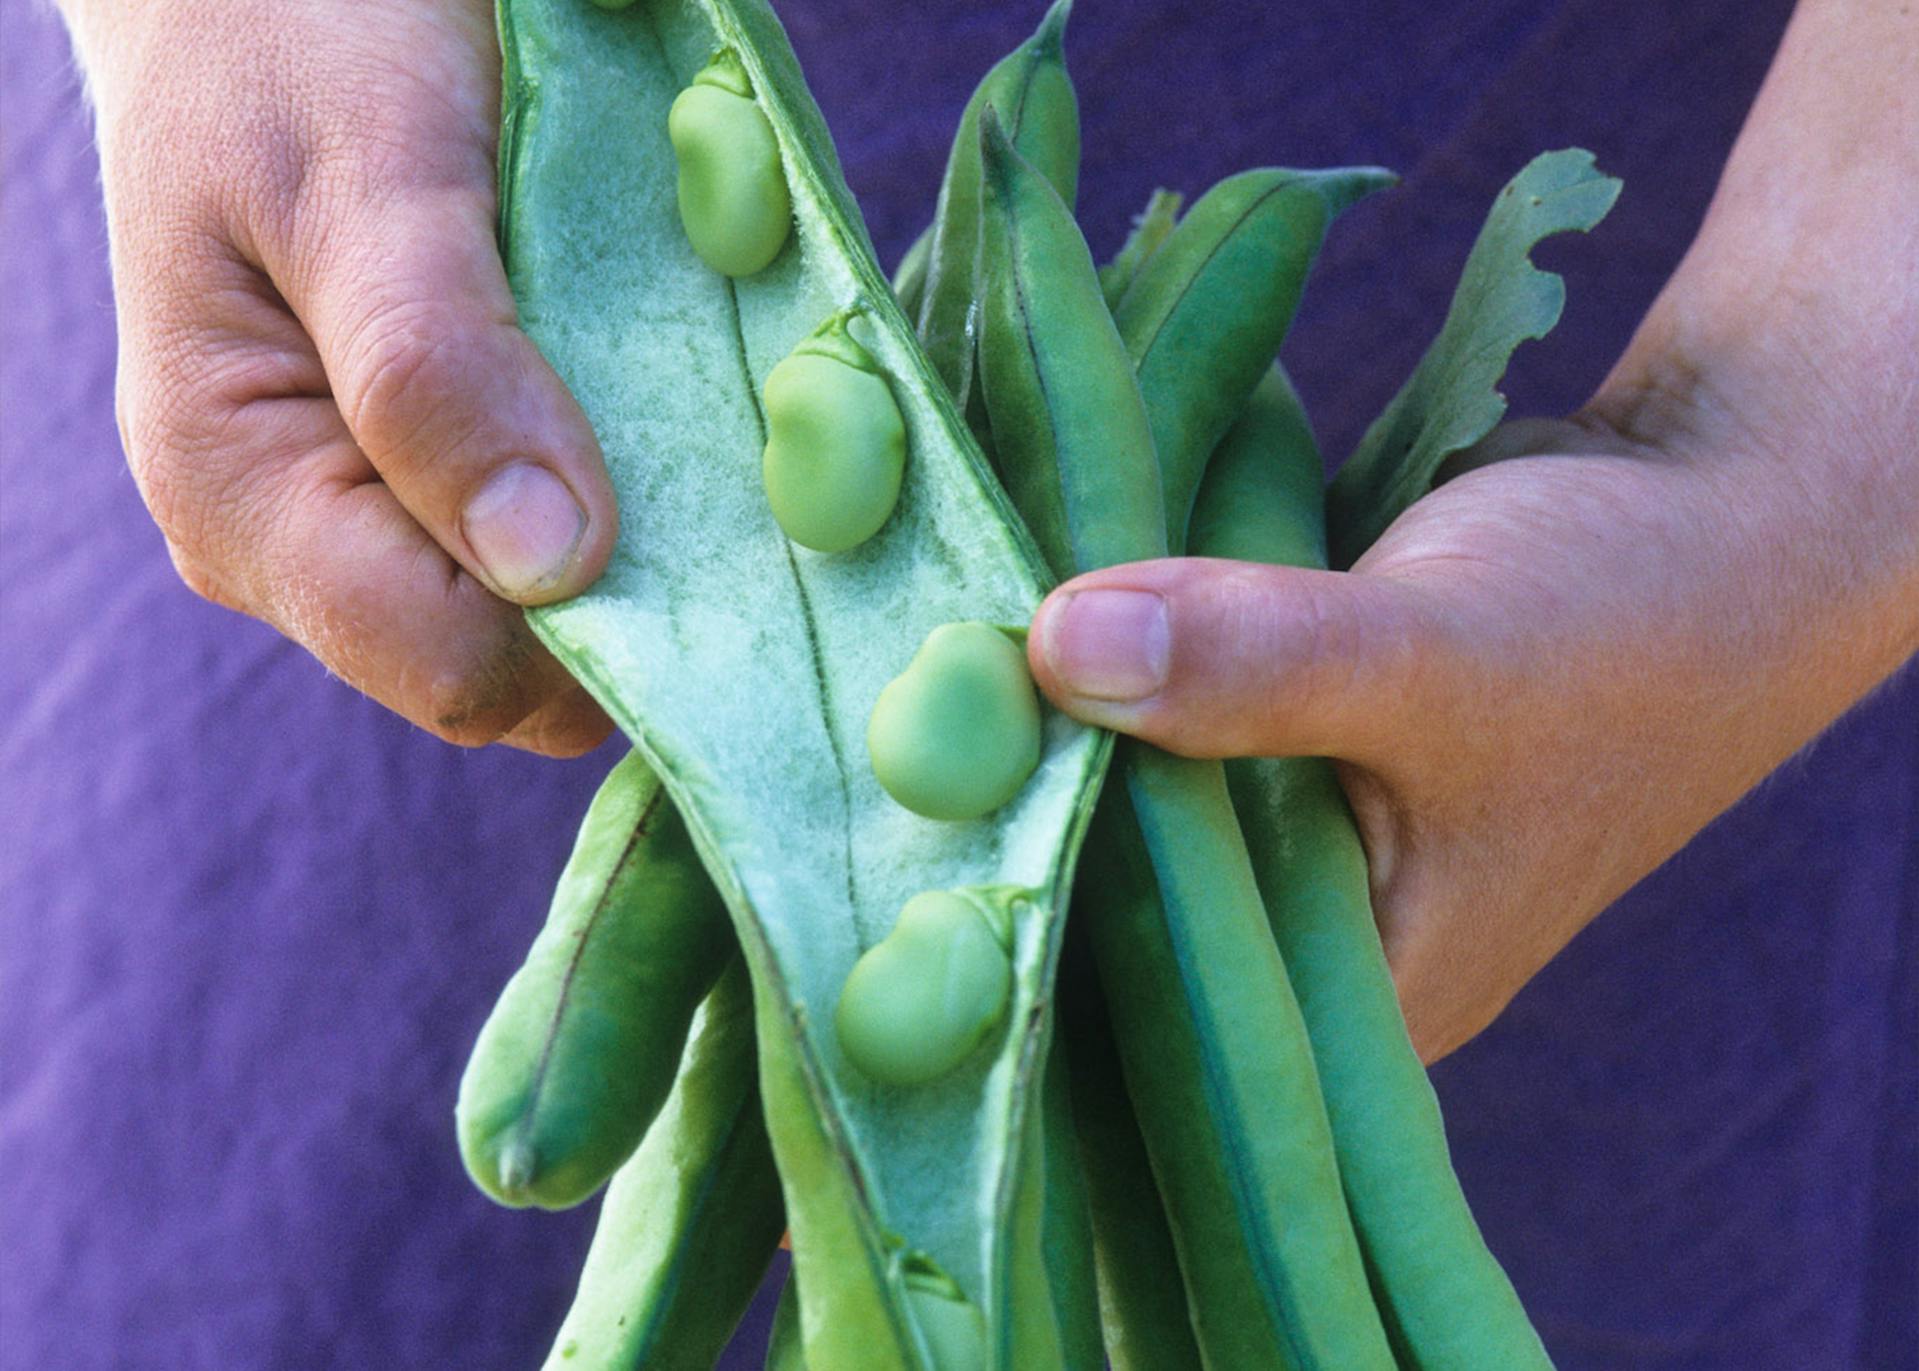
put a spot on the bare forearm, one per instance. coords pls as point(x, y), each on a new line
point(1783, 357)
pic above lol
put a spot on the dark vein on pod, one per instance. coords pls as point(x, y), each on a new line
point(1205, 261)
point(792, 563)
point(807, 618)
point(600, 907)
point(1217, 1084)
point(738, 1134)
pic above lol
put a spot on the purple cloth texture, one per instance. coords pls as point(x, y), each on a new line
point(252, 922)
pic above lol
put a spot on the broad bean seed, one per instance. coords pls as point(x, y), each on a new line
point(953, 1330)
point(957, 733)
point(733, 198)
point(924, 998)
point(835, 445)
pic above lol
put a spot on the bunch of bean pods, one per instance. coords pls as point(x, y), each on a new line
point(807, 968)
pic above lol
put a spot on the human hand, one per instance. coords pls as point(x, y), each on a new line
point(1553, 670)
point(323, 393)
point(1545, 678)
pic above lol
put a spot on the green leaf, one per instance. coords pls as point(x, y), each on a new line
point(1452, 399)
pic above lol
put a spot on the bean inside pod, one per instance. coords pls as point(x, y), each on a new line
point(957, 733)
point(733, 197)
point(835, 445)
point(923, 999)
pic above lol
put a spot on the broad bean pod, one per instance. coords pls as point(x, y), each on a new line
point(1142, 1300)
point(690, 1224)
point(1034, 97)
point(1066, 1227)
point(1215, 1052)
point(578, 1054)
point(1075, 440)
point(1205, 314)
point(744, 669)
point(1446, 1303)
point(909, 277)
point(1150, 227)
point(783, 1350)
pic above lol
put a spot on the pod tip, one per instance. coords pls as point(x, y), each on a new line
point(518, 1165)
point(1050, 36)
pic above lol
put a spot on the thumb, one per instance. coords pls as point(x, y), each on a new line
point(1211, 658)
point(407, 303)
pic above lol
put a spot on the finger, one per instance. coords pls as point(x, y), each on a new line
point(1212, 658)
point(570, 724)
point(269, 508)
point(402, 290)
point(349, 574)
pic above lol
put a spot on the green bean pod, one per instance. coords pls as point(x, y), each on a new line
point(909, 277)
point(1215, 1052)
point(1150, 227)
point(691, 1223)
point(734, 203)
point(1263, 491)
point(578, 1054)
point(1034, 96)
point(1217, 1058)
point(1206, 312)
point(1075, 442)
point(1142, 1299)
point(1447, 1304)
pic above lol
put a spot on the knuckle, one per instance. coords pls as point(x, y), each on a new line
point(475, 701)
point(163, 475)
point(409, 368)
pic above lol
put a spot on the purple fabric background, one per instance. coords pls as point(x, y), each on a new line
point(251, 922)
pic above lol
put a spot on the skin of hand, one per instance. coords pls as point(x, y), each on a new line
point(323, 393)
point(1600, 632)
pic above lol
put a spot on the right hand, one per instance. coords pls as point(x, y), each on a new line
point(323, 392)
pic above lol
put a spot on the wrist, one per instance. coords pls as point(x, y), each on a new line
point(1778, 363)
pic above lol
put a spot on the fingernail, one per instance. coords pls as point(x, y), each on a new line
point(524, 527)
point(1113, 645)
